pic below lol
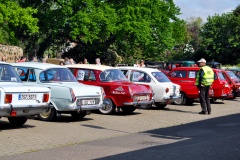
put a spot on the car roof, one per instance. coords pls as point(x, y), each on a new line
point(90, 66)
point(2, 62)
point(146, 69)
point(186, 68)
point(38, 65)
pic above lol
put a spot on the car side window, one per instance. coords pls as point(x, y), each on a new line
point(26, 74)
point(125, 72)
point(85, 75)
point(179, 74)
point(81, 75)
point(138, 76)
point(92, 76)
point(192, 74)
point(31, 75)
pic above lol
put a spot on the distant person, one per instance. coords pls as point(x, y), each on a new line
point(44, 60)
point(204, 80)
point(71, 61)
point(66, 61)
point(142, 63)
point(61, 63)
point(23, 59)
point(136, 64)
point(80, 62)
point(4, 59)
point(85, 61)
point(34, 59)
point(97, 60)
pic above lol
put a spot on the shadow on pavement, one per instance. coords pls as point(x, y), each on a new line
point(7, 126)
point(216, 138)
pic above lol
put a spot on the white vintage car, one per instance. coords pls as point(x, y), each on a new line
point(165, 91)
point(67, 95)
point(17, 101)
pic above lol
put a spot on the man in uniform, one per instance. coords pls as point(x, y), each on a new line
point(204, 80)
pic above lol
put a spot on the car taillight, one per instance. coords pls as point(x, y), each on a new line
point(72, 95)
point(8, 98)
point(45, 97)
point(167, 90)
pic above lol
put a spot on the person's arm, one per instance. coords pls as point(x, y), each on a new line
point(201, 74)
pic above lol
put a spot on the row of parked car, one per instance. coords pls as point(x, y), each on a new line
point(45, 89)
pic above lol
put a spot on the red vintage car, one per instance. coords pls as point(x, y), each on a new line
point(186, 78)
point(220, 86)
point(233, 81)
point(120, 92)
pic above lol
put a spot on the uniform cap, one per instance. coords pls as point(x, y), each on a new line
point(202, 60)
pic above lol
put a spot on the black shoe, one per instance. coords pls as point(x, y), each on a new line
point(202, 112)
point(209, 112)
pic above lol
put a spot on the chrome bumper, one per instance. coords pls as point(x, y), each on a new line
point(172, 98)
point(138, 103)
point(26, 110)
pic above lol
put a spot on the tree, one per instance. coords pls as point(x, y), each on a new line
point(221, 40)
point(12, 18)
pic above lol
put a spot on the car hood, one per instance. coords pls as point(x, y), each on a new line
point(20, 88)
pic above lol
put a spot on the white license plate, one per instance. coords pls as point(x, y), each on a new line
point(27, 97)
point(143, 98)
point(88, 102)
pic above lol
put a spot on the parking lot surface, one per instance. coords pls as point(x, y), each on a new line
point(37, 135)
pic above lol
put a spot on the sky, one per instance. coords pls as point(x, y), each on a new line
point(205, 8)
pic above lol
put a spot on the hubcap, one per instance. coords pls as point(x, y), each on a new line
point(45, 114)
point(108, 106)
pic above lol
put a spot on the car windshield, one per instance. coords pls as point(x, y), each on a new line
point(112, 75)
point(160, 77)
point(8, 74)
point(57, 75)
point(221, 76)
point(232, 75)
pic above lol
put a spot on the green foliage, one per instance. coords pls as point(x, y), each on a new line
point(12, 17)
point(137, 30)
point(221, 40)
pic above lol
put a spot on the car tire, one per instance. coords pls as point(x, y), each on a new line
point(17, 121)
point(49, 115)
point(160, 105)
point(182, 99)
point(109, 108)
point(128, 109)
point(79, 115)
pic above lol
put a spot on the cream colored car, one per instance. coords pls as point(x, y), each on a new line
point(165, 91)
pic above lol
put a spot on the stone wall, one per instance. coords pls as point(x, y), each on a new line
point(12, 53)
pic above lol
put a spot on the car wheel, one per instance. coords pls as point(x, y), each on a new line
point(48, 115)
point(79, 115)
point(109, 108)
point(17, 121)
point(160, 105)
point(181, 100)
point(128, 109)
point(213, 100)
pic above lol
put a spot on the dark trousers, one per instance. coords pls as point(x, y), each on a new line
point(204, 98)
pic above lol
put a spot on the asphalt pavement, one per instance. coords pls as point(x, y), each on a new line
point(189, 137)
